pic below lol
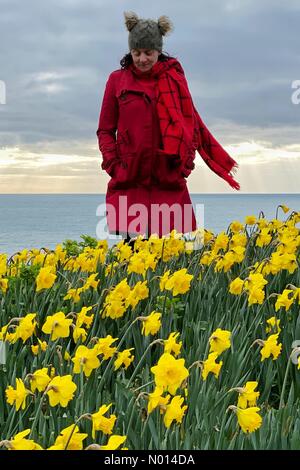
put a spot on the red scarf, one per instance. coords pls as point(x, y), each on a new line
point(182, 129)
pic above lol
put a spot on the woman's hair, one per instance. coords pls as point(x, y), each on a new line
point(127, 59)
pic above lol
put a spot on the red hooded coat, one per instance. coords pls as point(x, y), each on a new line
point(147, 192)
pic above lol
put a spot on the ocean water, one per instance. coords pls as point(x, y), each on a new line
point(44, 220)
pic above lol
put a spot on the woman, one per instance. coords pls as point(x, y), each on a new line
point(148, 132)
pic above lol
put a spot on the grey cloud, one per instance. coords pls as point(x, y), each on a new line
point(240, 58)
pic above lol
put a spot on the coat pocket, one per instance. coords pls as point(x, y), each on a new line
point(125, 171)
point(169, 171)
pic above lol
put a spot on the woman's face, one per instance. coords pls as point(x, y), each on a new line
point(144, 59)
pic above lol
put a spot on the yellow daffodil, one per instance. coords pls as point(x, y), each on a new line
point(114, 442)
point(86, 360)
point(284, 300)
point(219, 341)
point(91, 282)
point(236, 286)
point(26, 327)
point(45, 279)
point(169, 373)
point(79, 334)
point(73, 294)
point(64, 442)
point(83, 318)
point(256, 296)
point(156, 399)
point(210, 365)
point(41, 346)
point(175, 411)
point(170, 345)
point(151, 324)
point(273, 325)
point(247, 395)
point(271, 347)
point(57, 325)
point(221, 242)
point(263, 238)
point(102, 423)
point(103, 346)
point(236, 226)
point(255, 280)
point(163, 280)
point(124, 357)
point(3, 285)
point(3, 264)
point(39, 380)
point(61, 390)
point(249, 419)
point(250, 220)
point(284, 208)
point(179, 282)
point(18, 395)
point(19, 442)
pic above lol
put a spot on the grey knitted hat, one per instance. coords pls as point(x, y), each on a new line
point(146, 34)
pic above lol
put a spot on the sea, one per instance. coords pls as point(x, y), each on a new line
point(45, 220)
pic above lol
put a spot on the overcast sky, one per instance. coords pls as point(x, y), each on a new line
point(240, 58)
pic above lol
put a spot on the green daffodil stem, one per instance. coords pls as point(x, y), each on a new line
point(38, 412)
point(84, 416)
point(281, 402)
point(113, 358)
point(156, 341)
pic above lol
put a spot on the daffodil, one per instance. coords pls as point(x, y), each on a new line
point(247, 395)
point(19, 442)
point(156, 399)
point(61, 390)
point(273, 325)
point(45, 278)
point(18, 395)
point(219, 341)
point(236, 286)
point(170, 345)
point(26, 327)
point(169, 373)
point(103, 423)
point(39, 380)
point(285, 300)
point(249, 419)
point(3, 285)
point(151, 324)
point(41, 346)
point(69, 439)
point(86, 360)
point(179, 282)
point(250, 220)
point(271, 347)
point(57, 325)
point(103, 346)
point(114, 442)
point(73, 294)
point(174, 411)
point(83, 318)
point(210, 365)
point(124, 358)
point(236, 226)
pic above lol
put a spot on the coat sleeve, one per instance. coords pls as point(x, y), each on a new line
point(108, 122)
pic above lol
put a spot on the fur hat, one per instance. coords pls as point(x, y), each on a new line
point(146, 34)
